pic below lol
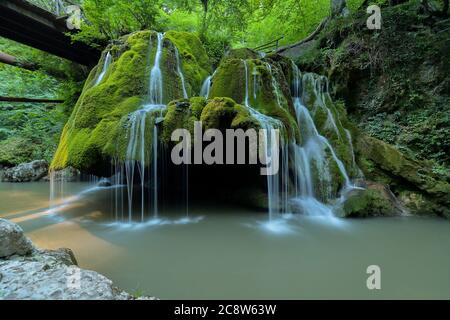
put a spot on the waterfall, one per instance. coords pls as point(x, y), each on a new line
point(138, 154)
point(156, 82)
point(140, 166)
point(106, 64)
point(204, 92)
point(268, 124)
point(180, 73)
point(311, 171)
point(206, 86)
point(255, 83)
point(315, 154)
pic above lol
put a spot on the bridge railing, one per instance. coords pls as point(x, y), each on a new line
point(269, 46)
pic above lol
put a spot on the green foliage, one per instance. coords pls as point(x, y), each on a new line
point(394, 81)
point(30, 131)
point(97, 129)
point(293, 19)
point(110, 19)
point(216, 47)
point(218, 23)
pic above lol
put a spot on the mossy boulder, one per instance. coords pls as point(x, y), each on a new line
point(196, 65)
point(97, 128)
point(375, 200)
point(260, 84)
point(395, 85)
point(413, 180)
point(219, 113)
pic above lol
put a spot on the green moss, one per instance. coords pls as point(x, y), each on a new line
point(217, 113)
point(272, 99)
point(98, 127)
point(178, 116)
point(195, 62)
point(229, 80)
point(381, 161)
point(197, 105)
point(370, 202)
point(223, 113)
point(88, 134)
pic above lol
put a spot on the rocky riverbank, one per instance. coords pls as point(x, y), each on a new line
point(27, 272)
point(37, 170)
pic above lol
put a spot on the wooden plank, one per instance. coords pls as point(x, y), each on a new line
point(30, 100)
point(40, 29)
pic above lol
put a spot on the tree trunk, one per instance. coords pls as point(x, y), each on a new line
point(32, 66)
point(13, 61)
point(338, 8)
point(30, 100)
point(319, 28)
point(205, 5)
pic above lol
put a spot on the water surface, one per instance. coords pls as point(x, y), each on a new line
point(223, 252)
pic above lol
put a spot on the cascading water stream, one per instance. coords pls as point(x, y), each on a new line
point(206, 86)
point(137, 153)
point(204, 92)
point(141, 158)
point(180, 74)
point(107, 62)
point(311, 155)
point(58, 179)
point(268, 124)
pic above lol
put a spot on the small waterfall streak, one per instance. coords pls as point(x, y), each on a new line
point(268, 143)
point(137, 153)
point(156, 85)
point(204, 92)
point(155, 172)
point(180, 73)
point(310, 155)
point(107, 62)
point(255, 84)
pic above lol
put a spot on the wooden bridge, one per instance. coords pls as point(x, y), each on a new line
point(44, 25)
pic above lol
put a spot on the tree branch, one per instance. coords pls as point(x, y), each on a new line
point(319, 28)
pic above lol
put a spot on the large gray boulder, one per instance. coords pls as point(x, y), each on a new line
point(48, 274)
point(12, 240)
point(26, 172)
point(68, 174)
point(53, 275)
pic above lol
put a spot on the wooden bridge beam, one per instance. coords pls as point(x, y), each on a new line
point(33, 26)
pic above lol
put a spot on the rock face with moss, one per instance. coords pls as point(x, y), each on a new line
point(261, 83)
point(216, 113)
point(92, 136)
point(394, 83)
point(421, 191)
point(374, 200)
point(246, 90)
